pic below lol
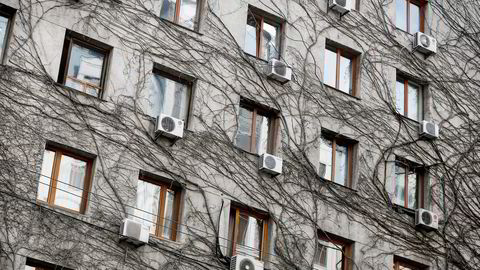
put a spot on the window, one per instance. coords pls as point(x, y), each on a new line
point(404, 264)
point(262, 35)
point(169, 95)
point(410, 15)
point(257, 129)
point(336, 160)
point(248, 233)
point(182, 12)
point(408, 184)
point(409, 99)
point(157, 206)
point(33, 264)
point(65, 179)
point(340, 69)
point(6, 15)
point(83, 64)
point(333, 253)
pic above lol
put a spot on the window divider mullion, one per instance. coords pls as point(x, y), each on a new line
point(254, 132)
point(408, 16)
point(334, 149)
point(405, 98)
point(53, 181)
point(235, 232)
point(405, 193)
point(161, 211)
point(260, 39)
point(264, 245)
point(177, 11)
point(337, 72)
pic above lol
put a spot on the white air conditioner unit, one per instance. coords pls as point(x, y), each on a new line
point(426, 219)
point(424, 43)
point(279, 71)
point(342, 6)
point(270, 164)
point(240, 262)
point(428, 130)
point(169, 126)
point(134, 232)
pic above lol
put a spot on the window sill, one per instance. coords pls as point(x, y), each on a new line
point(160, 239)
point(75, 91)
point(255, 57)
point(403, 31)
point(344, 93)
point(403, 210)
point(64, 211)
point(337, 185)
point(196, 32)
point(413, 121)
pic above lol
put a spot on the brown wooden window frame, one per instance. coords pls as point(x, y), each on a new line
point(350, 148)
point(398, 261)
point(164, 187)
point(420, 107)
point(252, 213)
point(422, 4)
point(260, 18)
point(8, 13)
point(420, 187)
point(346, 244)
point(176, 17)
point(83, 41)
point(349, 54)
point(87, 182)
point(273, 125)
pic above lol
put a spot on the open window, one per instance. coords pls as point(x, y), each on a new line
point(248, 232)
point(258, 128)
point(333, 253)
point(158, 205)
point(409, 98)
point(340, 70)
point(84, 63)
point(6, 20)
point(65, 178)
point(410, 15)
point(404, 264)
point(336, 159)
point(182, 12)
point(263, 34)
point(409, 184)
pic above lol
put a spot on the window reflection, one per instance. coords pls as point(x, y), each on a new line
point(414, 18)
point(148, 198)
point(329, 256)
point(187, 12)
point(261, 135)
point(330, 69)
point(3, 35)
point(345, 83)
point(167, 10)
point(262, 37)
point(326, 156)
point(270, 41)
point(249, 236)
point(251, 35)
point(413, 109)
point(85, 69)
point(256, 139)
point(414, 103)
point(406, 176)
point(169, 97)
point(401, 14)
point(341, 164)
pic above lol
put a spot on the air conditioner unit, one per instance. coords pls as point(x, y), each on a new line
point(426, 219)
point(342, 6)
point(424, 43)
point(270, 164)
point(134, 232)
point(279, 71)
point(240, 262)
point(169, 126)
point(428, 130)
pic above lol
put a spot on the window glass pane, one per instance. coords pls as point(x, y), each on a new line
point(231, 225)
point(244, 132)
point(167, 10)
point(413, 102)
point(85, 70)
point(249, 237)
point(46, 174)
point(341, 164)
point(400, 185)
point(168, 97)
point(70, 183)
point(148, 198)
point(326, 155)
point(345, 83)
point(414, 18)
point(400, 97)
point(330, 69)
point(401, 14)
point(168, 221)
point(3, 35)
point(354, 4)
point(412, 189)
point(188, 13)
point(332, 256)
point(271, 44)
point(321, 256)
point(251, 35)
point(261, 135)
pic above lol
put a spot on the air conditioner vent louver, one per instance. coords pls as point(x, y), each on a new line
point(428, 130)
point(430, 127)
point(426, 219)
point(169, 127)
point(424, 43)
point(280, 68)
point(270, 164)
point(168, 124)
point(243, 262)
point(246, 264)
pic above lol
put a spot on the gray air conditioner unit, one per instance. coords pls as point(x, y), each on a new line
point(240, 262)
point(424, 43)
point(134, 232)
point(342, 6)
point(428, 130)
point(169, 126)
point(279, 71)
point(426, 219)
point(270, 164)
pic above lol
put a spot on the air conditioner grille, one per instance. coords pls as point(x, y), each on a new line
point(247, 264)
point(270, 162)
point(425, 41)
point(133, 229)
point(430, 127)
point(168, 124)
point(342, 3)
point(280, 68)
point(427, 218)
